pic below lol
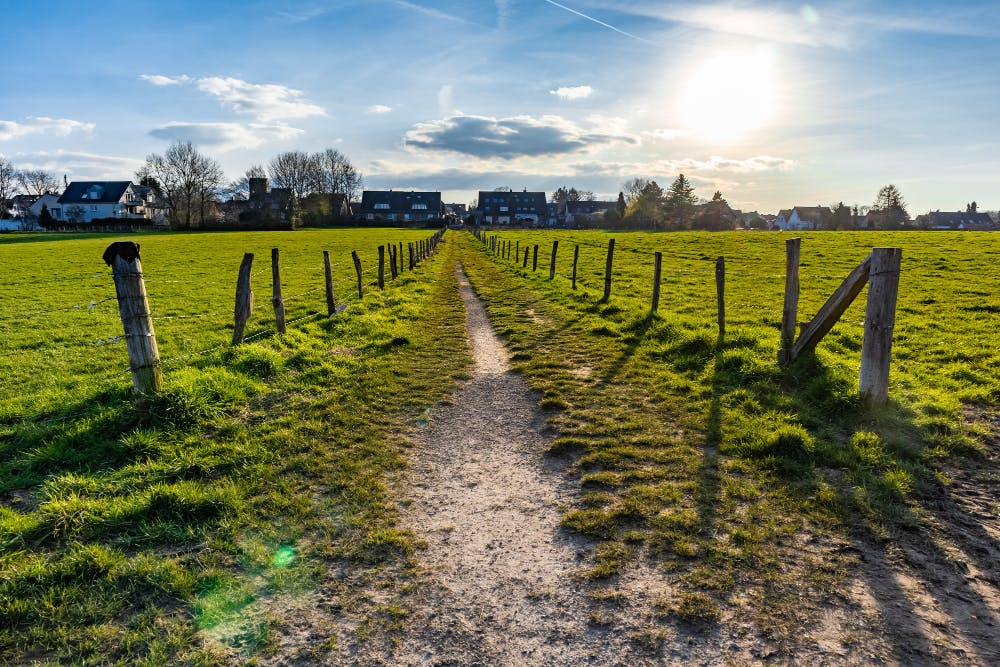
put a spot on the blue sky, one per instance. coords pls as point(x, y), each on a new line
point(773, 103)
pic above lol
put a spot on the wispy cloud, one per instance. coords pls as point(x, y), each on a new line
point(60, 127)
point(226, 136)
point(666, 134)
point(80, 165)
point(712, 165)
point(267, 102)
point(161, 80)
point(594, 20)
point(430, 11)
point(379, 108)
point(509, 138)
point(572, 92)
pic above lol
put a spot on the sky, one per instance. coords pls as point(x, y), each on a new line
point(774, 104)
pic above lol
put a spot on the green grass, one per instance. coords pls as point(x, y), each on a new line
point(172, 532)
point(706, 456)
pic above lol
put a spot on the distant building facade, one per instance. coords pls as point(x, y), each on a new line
point(86, 201)
point(513, 208)
point(400, 206)
point(959, 220)
point(802, 218)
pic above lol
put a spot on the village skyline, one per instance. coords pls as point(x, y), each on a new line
point(773, 104)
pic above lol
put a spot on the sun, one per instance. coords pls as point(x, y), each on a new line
point(729, 95)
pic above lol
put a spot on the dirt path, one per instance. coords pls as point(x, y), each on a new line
point(486, 501)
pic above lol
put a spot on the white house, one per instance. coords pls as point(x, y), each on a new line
point(50, 201)
point(85, 201)
point(802, 217)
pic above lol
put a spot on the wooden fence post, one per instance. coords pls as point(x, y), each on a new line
point(720, 288)
point(534, 259)
point(552, 263)
point(244, 299)
point(607, 269)
point(790, 312)
point(133, 306)
point(409, 246)
point(527, 252)
point(331, 301)
point(517, 251)
point(657, 272)
point(381, 267)
point(276, 299)
point(880, 319)
point(576, 259)
point(357, 269)
point(401, 263)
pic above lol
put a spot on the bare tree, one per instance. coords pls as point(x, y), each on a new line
point(298, 171)
point(189, 181)
point(8, 181)
point(337, 175)
point(37, 181)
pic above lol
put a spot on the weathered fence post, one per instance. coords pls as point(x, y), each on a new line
point(517, 251)
point(657, 272)
point(552, 263)
point(720, 288)
point(381, 267)
point(534, 259)
point(357, 269)
point(527, 252)
point(607, 269)
point(401, 263)
point(133, 306)
point(790, 312)
point(576, 259)
point(331, 301)
point(244, 299)
point(412, 258)
point(880, 319)
point(276, 299)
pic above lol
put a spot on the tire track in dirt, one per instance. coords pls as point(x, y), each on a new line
point(486, 500)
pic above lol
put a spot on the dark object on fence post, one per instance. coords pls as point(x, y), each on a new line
point(527, 252)
point(133, 306)
point(607, 269)
point(880, 319)
point(720, 288)
point(534, 259)
point(552, 263)
point(412, 260)
point(790, 312)
point(576, 259)
point(331, 301)
point(244, 299)
point(381, 267)
point(357, 269)
point(657, 272)
point(279, 303)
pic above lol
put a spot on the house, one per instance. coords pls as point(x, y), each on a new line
point(401, 206)
point(581, 212)
point(264, 206)
point(86, 201)
point(20, 205)
point(49, 201)
point(513, 208)
point(959, 220)
point(803, 217)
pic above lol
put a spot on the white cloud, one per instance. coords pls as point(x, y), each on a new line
point(713, 165)
point(226, 136)
point(379, 108)
point(79, 165)
point(268, 102)
point(59, 127)
point(573, 92)
point(444, 97)
point(160, 80)
point(665, 134)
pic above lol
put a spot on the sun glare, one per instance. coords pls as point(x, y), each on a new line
point(729, 95)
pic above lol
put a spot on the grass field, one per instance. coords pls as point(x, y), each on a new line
point(168, 533)
point(707, 456)
point(178, 530)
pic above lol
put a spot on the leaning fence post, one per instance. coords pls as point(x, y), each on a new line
point(527, 252)
point(244, 299)
point(381, 267)
point(357, 269)
point(607, 269)
point(392, 261)
point(720, 288)
point(576, 258)
point(133, 306)
point(534, 259)
point(790, 312)
point(657, 272)
point(880, 319)
point(552, 263)
point(331, 301)
point(276, 299)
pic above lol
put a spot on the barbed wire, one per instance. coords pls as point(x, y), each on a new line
point(89, 306)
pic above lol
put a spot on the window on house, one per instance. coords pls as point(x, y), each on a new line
point(381, 206)
point(420, 206)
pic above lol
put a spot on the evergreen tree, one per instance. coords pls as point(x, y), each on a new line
point(680, 202)
point(889, 208)
point(45, 219)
